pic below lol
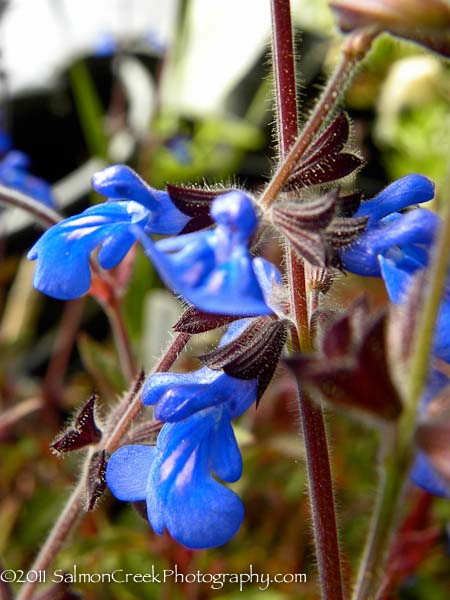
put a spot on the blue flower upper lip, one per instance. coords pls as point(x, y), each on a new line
point(212, 269)
point(387, 227)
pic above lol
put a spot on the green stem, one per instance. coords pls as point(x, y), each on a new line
point(399, 456)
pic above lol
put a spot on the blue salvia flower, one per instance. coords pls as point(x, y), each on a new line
point(398, 268)
point(423, 473)
point(105, 45)
point(177, 477)
point(396, 246)
point(387, 228)
point(14, 174)
point(64, 250)
point(213, 269)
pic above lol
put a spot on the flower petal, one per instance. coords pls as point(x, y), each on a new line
point(119, 182)
point(225, 456)
point(416, 227)
point(409, 190)
point(63, 252)
point(425, 476)
point(128, 471)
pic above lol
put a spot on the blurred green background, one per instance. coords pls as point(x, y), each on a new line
point(158, 106)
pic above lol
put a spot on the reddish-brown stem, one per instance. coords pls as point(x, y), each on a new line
point(135, 407)
point(126, 357)
point(355, 48)
point(316, 448)
point(284, 65)
point(321, 498)
point(72, 511)
point(62, 349)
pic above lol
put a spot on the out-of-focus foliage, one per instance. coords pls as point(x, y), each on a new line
point(55, 354)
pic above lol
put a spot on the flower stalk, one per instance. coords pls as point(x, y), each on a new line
point(313, 425)
point(399, 455)
point(72, 511)
point(354, 51)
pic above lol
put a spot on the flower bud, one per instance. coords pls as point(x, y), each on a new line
point(426, 22)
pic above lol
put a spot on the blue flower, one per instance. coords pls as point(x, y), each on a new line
point(396, 246)
point(14, 174)
point(177, 477)
point(398, 268)
point(179, 395)
point(388, 228)
point(119, 183)
point(423, 473)
point(63, 252)
point(213, 269)
point(105, 45)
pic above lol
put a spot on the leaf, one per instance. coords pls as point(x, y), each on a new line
point(324, 161)
point(193, 202)
point(330, 168)
point(195, 321)
point(96, 478)
point(252, 355)
point(348, 204)
point(352, 369)
point(84, 431)
point(343, 231)
point(310, 216)
point(331, 141)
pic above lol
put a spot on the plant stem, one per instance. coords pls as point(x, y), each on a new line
point(317, 458)
point(44, 215)
point(131, 412)
point(121, 337)
point(74, 505)
point(399, 456)
point(63, 526)
point(355, 49)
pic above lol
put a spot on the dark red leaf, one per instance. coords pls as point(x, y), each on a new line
point(347, 205)
point(194, 321)
point(352, 371)
point(308, 216)
point(330, 168)
point(343, 231)
point(330, 142)
point(252, 355)
point(96, 478)
point(191, 201)
point(82, 433)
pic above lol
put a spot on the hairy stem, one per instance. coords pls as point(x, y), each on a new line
point(44, 215)
point(74, 506)
point(398, 459)
point(317, 458)
point(58, 535)
point(121, 337)
point(355, 49)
